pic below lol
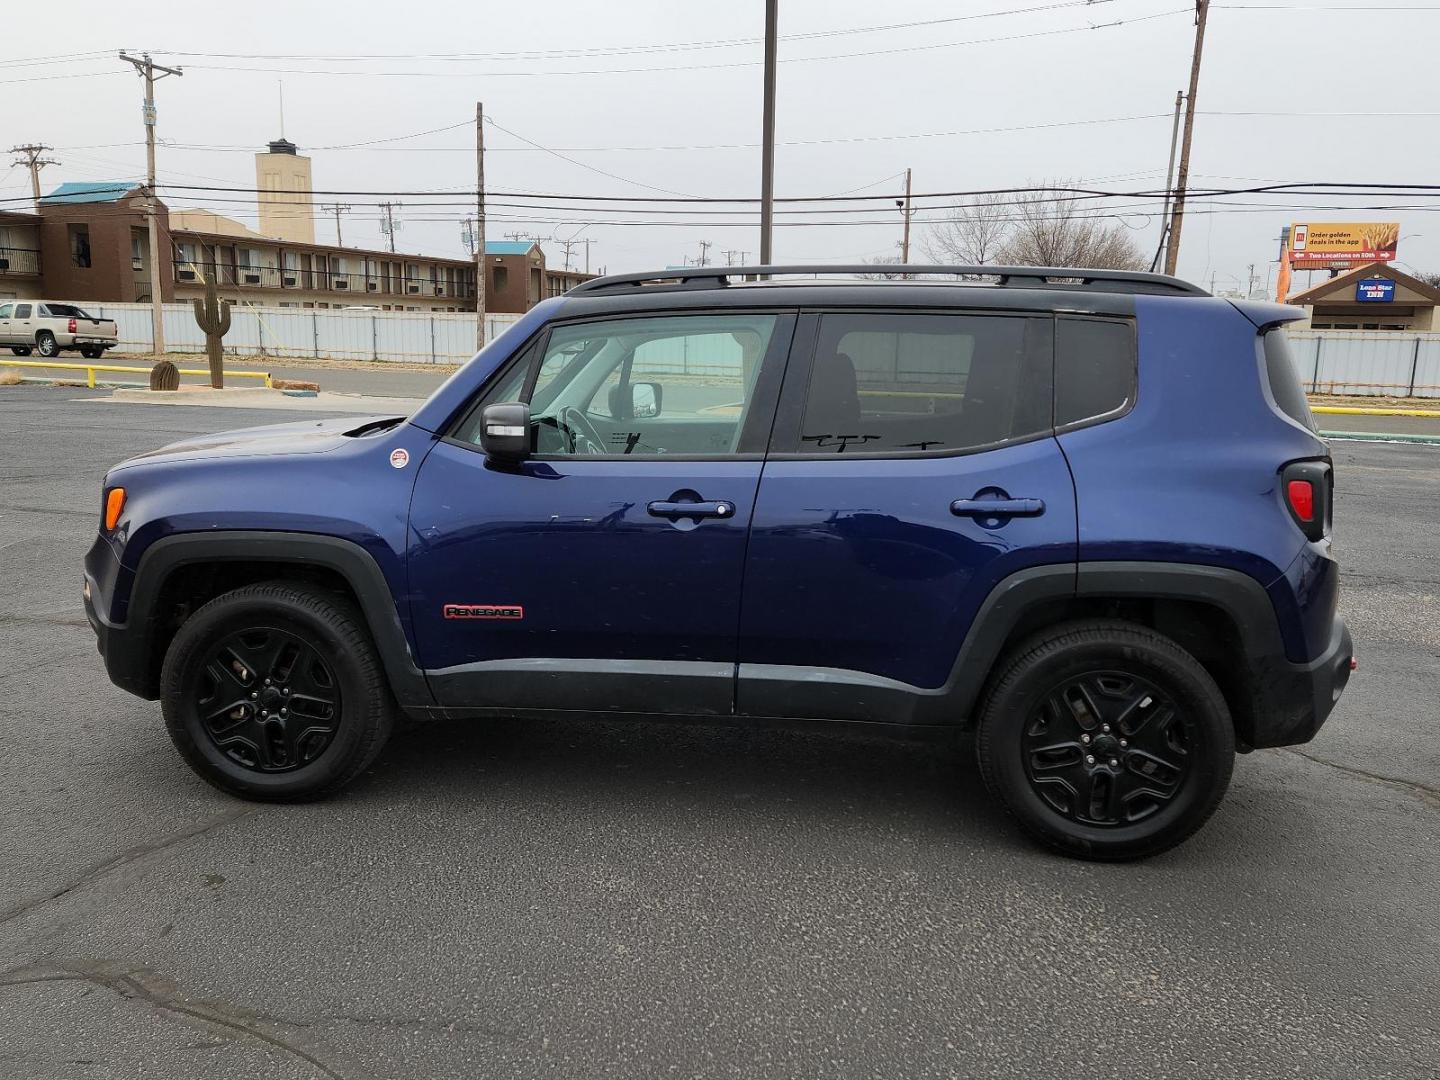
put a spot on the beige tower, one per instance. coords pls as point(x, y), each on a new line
point(279, 175)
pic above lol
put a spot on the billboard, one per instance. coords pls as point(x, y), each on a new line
point(1348, 243)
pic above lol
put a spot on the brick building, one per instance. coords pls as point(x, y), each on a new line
point(89, 242)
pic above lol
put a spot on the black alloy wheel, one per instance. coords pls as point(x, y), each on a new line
point(1106, 748)
point(276, 692)
point(268, 700)
point(1105, 739)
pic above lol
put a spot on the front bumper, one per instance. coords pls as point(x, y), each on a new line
point(1294, 700)
point(120, 645)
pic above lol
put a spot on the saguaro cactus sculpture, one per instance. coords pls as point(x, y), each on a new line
point(213, 316)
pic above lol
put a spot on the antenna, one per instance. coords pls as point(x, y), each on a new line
point(281, 84)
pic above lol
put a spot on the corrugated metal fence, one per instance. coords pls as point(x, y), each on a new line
point(410, 336)
point(1370, 363)
point(1367, 363)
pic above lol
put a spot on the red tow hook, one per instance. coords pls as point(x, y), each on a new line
point(1354, 663)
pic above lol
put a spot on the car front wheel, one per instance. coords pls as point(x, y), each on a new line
point(275, 692)
point(1106, 740)
point(20, 350)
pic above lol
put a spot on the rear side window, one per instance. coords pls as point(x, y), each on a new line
point(1094, 369)
point(22, 311)
point(1284, 380)
point(925, 383)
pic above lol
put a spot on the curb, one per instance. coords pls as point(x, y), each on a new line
point(1365, 410)
point(1382, 436)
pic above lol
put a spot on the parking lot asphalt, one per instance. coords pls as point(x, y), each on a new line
point(586, 898)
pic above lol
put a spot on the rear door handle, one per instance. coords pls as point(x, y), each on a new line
point(716, 509)
point(983, 508)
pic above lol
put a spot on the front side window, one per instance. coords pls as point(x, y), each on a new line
point(642, 387)
point(925, 383)
point(6, 310)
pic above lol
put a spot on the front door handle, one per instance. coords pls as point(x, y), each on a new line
point(668, 509)
point(994, 508)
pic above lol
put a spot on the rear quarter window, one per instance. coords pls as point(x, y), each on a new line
point(1284, 379)
point(1095, 374)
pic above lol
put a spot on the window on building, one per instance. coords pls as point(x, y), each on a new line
point(502, 278)
point(80, 246)
point(137, 249)
point(916, 383)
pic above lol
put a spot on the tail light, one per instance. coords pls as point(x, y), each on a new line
point(1307, 487)
point(72, 326)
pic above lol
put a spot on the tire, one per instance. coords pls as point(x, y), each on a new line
point(20, 350)
point(46, 345)
point(1105, 740)
point(92, 354)
point(313, 639)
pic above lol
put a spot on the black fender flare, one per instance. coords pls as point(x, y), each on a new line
point(352, 562)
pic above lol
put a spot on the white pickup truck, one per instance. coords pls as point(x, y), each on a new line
point(49, 326)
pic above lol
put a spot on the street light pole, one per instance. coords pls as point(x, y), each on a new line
point(767, 149)
point(147, 68)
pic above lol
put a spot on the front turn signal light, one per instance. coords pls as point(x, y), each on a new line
point(114, 504)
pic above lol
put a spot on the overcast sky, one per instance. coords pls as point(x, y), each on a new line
point(620, 88)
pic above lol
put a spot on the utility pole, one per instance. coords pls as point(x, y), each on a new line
point(31, 159)
point(479, 225)
point(567, 245)
point(731, 260)
point(388, 226)
point(337, 209)
point(704, 259)
point(467, 234)
point(1169, 183)
point(1177, 218)
point(767, 137)
point(587, 242)
point(147, 68)
point(905, 210)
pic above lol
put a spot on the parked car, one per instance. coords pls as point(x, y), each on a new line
point(1083, 513)
point(49, 327)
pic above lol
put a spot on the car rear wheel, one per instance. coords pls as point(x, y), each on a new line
point(46, 345)
point(1106, 740)
point(20, 350)
point(275, 692)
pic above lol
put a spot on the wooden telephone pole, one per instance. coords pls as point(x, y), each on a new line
point(905, 209)
point(1177, 216)
point(30, 158)
point(147, 69)
point(479, 225)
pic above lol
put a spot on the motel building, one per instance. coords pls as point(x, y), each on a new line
point(1372, 297)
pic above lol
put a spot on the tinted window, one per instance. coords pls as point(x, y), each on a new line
point(640, 387)
point(1094, 368)
point(22, 311)
point(916, 383)
point(1285, 380)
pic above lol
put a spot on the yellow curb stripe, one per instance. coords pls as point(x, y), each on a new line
point(1356, 410)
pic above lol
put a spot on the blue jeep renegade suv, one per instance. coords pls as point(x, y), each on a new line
point(1084, 513)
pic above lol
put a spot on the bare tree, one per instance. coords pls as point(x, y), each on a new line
point(972, 234)
point(883, 274)
point(1052, 228)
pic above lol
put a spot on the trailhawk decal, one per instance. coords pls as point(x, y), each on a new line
point(483, 611)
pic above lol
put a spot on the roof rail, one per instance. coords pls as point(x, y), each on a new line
point(1014, 277)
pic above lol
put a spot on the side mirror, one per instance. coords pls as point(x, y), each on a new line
point(645, 399)
point(505, 431)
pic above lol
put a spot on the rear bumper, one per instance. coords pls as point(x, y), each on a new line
point(1294, 700)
